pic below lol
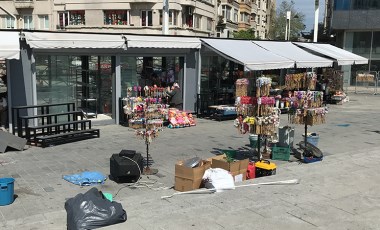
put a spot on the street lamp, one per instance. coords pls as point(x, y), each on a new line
point(287, 28)
point(316, 14)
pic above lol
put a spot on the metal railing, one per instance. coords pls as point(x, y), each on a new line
point(366, 82)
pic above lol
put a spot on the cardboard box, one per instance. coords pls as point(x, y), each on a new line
point(187, 179)
point(183, 184)
point(235, 166)
point(217, 157)
point(240, 175)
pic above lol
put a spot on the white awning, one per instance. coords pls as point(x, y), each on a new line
point(288, 50)
point(41, 40)
point(137, 41)
point(9, 45)
point(252, 56)
point(343, 57)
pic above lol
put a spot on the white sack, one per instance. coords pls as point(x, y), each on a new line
point(219, 179)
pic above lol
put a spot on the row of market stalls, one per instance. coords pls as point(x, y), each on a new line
point(97, 71)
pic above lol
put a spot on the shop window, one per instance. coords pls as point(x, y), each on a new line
point(7, 22)
point(116, 17)
point(146, 18)
point(43, 22)
point(28, 22)
point(77, 17)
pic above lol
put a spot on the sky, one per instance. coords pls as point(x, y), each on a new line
point(307, 8)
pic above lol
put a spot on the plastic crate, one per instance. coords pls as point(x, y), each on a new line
point(280, 153)
point(229, 153)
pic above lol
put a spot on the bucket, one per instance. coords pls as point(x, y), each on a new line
point(312, 138)
point(6, 191)
point(253, 140)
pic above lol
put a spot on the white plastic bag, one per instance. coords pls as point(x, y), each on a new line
point(219, 179)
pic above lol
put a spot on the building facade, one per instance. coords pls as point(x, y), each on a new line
point(357, 29)
point(206, 18)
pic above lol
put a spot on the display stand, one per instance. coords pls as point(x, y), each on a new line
point(307, 109)
point(151, 115)
point(257, 115)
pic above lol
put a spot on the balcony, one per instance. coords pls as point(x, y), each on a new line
point(254, 8)
point(24, 4)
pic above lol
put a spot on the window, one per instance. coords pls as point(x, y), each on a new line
point(146, 18)
point(116, 17)
point(63, 18)
point(209, 24)
point(77, 17)
point(28, 22)
point(197, 21)
point(173, 17)
point(226, 11)
point(7, 22)
point(43, 22)
point(342, 5)
point(235, 15)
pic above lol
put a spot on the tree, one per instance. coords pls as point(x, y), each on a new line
point(296, 21)
point(245, 34)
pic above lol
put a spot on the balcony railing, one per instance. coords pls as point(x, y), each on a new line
point(23, 4)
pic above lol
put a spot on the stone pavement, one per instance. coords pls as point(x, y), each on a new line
point(341, 192)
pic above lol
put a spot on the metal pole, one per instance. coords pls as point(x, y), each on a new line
point(289, 25)
point(165, 14)
point(316, 14)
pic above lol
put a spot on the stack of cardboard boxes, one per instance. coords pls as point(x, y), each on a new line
point(187, 178)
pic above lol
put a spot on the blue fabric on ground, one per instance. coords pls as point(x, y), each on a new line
point(86, 178)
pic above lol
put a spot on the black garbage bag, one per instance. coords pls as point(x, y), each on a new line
point(92, 210)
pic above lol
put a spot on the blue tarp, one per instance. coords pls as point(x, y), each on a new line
point(86, 178)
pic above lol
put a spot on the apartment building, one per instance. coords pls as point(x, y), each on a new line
point(357, 29)
point(214, 18)
point(261, 21)
point(186, 17)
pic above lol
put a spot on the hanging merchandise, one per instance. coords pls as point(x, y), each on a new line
point(242, 87)
point(263, 85)
point(294, 81)
point(365, 77)
point(310, 80)
point(313, 116)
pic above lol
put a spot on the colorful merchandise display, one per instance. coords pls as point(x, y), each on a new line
point(258, 115)
point(298, 81)
point(180, 119)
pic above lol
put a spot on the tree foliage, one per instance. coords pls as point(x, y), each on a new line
point(245, 34)
point(296, 21)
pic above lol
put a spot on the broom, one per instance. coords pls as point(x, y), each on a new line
point(212, 190)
